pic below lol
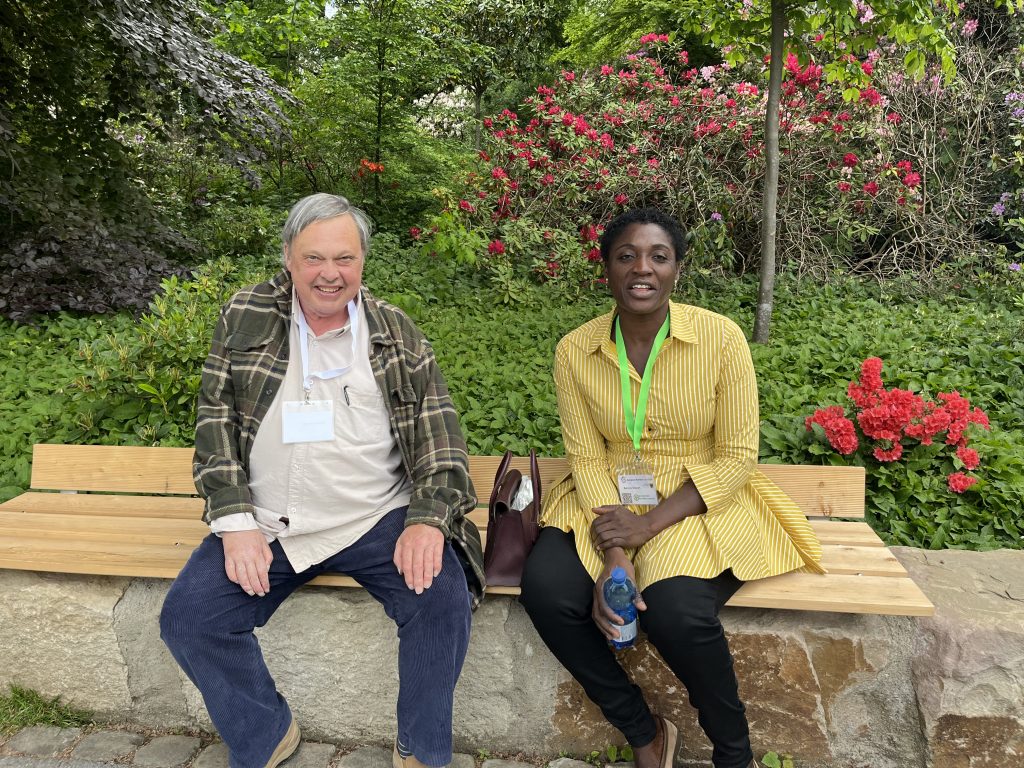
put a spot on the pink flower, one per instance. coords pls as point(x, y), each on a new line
point(893, 118)
point(969, 457)
point(499, 173)
point(606, 70)
point(415, 232)
point(888, 455)
point(844, 186)
point(959, 482)
point(850, 160)
point(653, 162)
point(467, 206)
point(621, 199)
point(568, 76)
point(912, 180)
point(496, 247)
point(866, 68)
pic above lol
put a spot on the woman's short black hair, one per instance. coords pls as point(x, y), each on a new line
point(643, 216)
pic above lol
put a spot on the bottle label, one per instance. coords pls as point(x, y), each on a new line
point(627, 632)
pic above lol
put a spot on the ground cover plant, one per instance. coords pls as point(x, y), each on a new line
point(21, 707)
point(118, 380)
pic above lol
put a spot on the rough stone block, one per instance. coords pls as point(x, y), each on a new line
point(107, 746)
point(968, 666)
point(167, 752)
point(311, 754)
point(58, 637)
point(367, 757)
point(42, 740)
point(213, 756)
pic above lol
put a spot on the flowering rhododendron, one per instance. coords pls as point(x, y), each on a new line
point(892, 420)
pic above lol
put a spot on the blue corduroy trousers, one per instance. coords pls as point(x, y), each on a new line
point(207, 623)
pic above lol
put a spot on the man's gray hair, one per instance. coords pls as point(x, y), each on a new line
point(320, 207)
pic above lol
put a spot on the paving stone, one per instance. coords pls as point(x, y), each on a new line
point(107, 746)
point(495, 763)
point(42, 740)
point(166, 752)
point(462, 760)
point(214, 756)
point(568, 762)
point(47, 762)
point(311, 754)
point(622, 764)
point(367, 757)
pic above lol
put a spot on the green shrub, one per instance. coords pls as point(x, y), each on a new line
point(114, 380)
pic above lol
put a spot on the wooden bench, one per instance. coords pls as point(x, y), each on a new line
point(132, 511)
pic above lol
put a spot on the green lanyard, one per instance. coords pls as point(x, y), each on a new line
point(635, 423)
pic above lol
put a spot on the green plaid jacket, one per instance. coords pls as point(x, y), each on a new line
point(246, 365)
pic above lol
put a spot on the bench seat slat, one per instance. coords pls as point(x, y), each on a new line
point(845, 593)
point(107, 505)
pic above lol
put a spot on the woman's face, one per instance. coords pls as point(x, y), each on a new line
point(642, 269)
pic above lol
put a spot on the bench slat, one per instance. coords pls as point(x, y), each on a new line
point(845, 593)
point(819, 491)
point(107, 505)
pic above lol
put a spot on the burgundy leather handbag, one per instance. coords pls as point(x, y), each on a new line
point(511, 533)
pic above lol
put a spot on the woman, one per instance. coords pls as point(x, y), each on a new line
point(658, 393)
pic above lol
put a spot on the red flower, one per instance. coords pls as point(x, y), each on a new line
point(568, 76)
point(893, 118)
point(871, 188)
point(912, 180)
point(904, 166)
point(888, 455)
point(844, 186)
point(467, 206)
point(866, 68)
point(496, 247)
point(839, 430)
point(959, 482)
point(621, 199)
point(593, 254)
point(499, 173)
point(606, 70)
point(414, 232)
point(969, 457)
point(850, 160)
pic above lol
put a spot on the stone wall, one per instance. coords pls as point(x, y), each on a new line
point(835, 690)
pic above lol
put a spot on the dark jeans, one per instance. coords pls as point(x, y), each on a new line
point(681, 621)
point(208, 621)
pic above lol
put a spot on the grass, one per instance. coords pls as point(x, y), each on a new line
point(21, 708)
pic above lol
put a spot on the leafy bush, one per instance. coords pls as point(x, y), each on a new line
point(656, 131)
point(117, 381)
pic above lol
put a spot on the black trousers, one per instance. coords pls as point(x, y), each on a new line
point(681, 621)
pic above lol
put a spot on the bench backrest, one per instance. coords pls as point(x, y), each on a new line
point(819, 491)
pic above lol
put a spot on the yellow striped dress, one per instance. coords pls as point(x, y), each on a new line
point(702, 423)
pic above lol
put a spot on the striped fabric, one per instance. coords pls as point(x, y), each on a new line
point(702, 423)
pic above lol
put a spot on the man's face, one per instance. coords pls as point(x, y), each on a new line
point(326, 264)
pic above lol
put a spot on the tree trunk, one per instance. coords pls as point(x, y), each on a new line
point(478, 97)
point(769, 207)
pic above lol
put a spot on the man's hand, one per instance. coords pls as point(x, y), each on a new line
point(616, 526)
point(247, 559)
point(418, 555)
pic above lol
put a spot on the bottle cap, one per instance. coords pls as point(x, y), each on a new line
point(619, 575)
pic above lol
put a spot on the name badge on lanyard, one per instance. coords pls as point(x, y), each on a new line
point(636, 478)
point(312, 421)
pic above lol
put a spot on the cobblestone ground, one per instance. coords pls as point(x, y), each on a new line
point(44, 746)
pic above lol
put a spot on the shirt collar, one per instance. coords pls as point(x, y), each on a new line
point(680, 327)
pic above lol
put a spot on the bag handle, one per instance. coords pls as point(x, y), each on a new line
point(529, 517)
point(498, 477)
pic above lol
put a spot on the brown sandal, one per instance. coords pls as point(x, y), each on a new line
point(668, 747)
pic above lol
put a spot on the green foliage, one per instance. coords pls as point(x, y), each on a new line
point(774, 760)
point(23, 707)
point(79, 231)
point(117, 381)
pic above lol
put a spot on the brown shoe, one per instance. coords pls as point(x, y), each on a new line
point(668, 749)
point(397, 761)
point(286, 747)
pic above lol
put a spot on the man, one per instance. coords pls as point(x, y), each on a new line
point(325, 441)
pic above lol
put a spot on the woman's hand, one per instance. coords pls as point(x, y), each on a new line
point(607, 620)
point(616, 526)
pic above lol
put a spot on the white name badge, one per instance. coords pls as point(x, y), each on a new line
point(637, 489)
point(307, 421)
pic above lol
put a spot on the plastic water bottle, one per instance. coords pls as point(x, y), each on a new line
point(619, 593)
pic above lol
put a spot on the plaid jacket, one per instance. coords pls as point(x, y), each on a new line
point(246, 365)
